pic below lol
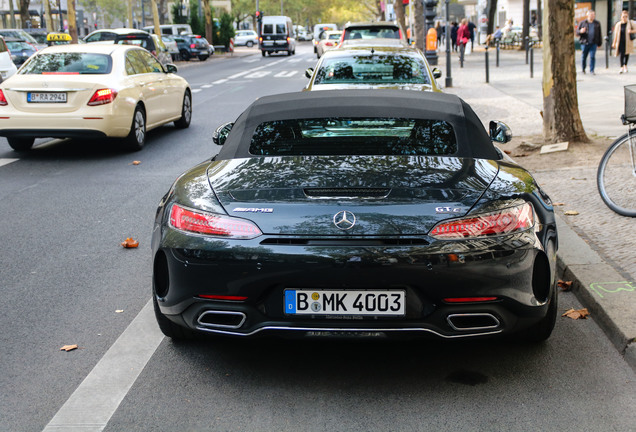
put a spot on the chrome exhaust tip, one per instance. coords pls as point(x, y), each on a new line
point(473, 321)
point(221, 319)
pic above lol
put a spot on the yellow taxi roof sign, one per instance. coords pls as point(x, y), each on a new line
point(58, 37)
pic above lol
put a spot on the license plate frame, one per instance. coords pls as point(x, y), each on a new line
point(330, 302)
point(47, 97)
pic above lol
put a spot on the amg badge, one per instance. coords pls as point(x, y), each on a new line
point(253, 210)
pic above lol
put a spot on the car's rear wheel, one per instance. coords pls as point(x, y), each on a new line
point(249, 44)
point(167, 327)
point(21, 144)
point(186, 112)
point(203, 57)
point(185, 55)
point(289, 52)
point(263, 53)
point(137, 137)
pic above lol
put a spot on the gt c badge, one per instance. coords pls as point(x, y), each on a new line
point(448, 210)
point(344, 220)
point(253, 210)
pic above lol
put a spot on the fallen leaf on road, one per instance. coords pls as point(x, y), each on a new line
point(136, 162)
point(558, 204)
point(119, 311)
point(571, 213)
point(577, 314)
point(68, 348)
point(564, 285)
point(130, 243)
point(508, 152)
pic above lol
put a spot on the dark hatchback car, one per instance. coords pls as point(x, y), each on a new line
point(362, 213)
point(20, 50)
point(193, 46)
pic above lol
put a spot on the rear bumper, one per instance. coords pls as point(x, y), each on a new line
point(271, 48)
point(64, 125)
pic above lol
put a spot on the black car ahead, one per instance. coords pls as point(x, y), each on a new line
point(357, 213)
point(191, 46)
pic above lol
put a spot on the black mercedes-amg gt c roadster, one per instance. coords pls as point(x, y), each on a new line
point(356, 213)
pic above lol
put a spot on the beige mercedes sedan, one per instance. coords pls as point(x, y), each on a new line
point(92, 91)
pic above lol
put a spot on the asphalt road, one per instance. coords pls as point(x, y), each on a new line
point(67, 205)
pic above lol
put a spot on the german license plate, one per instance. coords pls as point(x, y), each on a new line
point(268, 43)
point(48, 97)
point(340, 302)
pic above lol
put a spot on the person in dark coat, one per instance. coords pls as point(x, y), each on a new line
point(589, 32)
point(454, 28)
point(471, 28)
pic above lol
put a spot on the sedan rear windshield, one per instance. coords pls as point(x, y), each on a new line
point(354, 136)
point(372, 33)
point(373, 69)
point(68, 63)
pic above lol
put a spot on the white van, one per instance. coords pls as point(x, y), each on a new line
point(171, 29)
point(318, 29)
point(277, 34)
point(7, 68)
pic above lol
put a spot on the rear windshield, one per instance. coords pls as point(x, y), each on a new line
point(19, 46)
point(372, 33)
point(373, 69)
point(353, 136)
point(68, 63)
point(274, 29)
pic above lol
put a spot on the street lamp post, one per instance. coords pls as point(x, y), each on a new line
point(449, 78)
point(430, 11)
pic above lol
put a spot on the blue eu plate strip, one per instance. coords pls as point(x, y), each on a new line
point(290, 301)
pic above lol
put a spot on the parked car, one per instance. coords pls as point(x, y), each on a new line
point(277, 34)
point(132, 37)
point(172, 46)
point(20, 50)
point(319, 28)
point(301, 33)
point(92, 91)
point(191, 46)
point(373, 67)
point(7, 67)
point(161, 51)
point(360, 213)
point(22, 35)
point(171, 29)
point(247, 38)
point(371, 30)
point(39, 35)
point(328, 40)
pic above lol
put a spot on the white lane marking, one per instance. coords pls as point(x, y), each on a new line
point(206, 86)
point(252, 60)
point(196, 90)
point(93, 403)
point(7, 161)
point(221, 81)
point(240, 74)
point(296, 60)
point(285, 74)
point(258, 74)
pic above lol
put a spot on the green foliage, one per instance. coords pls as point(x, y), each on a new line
point(197, 24)
point(177, 16)
point(226, 30)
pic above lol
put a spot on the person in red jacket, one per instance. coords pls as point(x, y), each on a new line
point(463, 36)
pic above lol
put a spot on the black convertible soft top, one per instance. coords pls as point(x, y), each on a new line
point(472, 139)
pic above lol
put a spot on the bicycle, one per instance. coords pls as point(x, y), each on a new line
point(616, 175)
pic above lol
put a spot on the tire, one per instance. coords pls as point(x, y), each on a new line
point(317, 55)
point(185, 55)
point(249, 44)
point(289, 52)
point(136, 139)
point(21, 144)
point(203, 57)
point(616, 175)
point(186, 112)
point(167, 327)
point(263, 53)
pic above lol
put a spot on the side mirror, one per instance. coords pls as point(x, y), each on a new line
point(500, 132)
point(437, 73)
point(309, 73)
point(170, 68)
point(220, 134)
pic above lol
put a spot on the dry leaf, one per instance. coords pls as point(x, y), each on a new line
point(577, 314)
point(130, 243)
point(136, 162)
point(68, 348)
point(508, 152)
point(558, 204)
point(564, 285)
point(571, 213)
point(119, 311)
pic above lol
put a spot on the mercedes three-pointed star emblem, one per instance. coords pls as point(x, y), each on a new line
point(344, 220)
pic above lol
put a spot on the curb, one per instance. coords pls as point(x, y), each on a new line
point(578, 262)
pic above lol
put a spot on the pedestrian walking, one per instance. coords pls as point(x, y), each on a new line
point(589, 32)
point(471, 28)
point(454, 29)
point(463, 36)
point(622, 39)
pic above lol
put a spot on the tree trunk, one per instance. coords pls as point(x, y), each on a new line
point(24, 13)
point(561, 118)
point(209, 29)
point(72, 22)
point(12, 12)
point(420, 38)
point(492, 14)
point(48, 18)
point(399, 14)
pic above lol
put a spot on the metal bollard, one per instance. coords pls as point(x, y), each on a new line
point(531, 62)
point(527, 41)
point(497, 61)
point(607, 50)
point(487, 72)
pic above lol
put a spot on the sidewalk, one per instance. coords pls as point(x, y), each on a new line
point(597, 248)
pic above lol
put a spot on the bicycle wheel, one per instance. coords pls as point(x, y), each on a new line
point(616, 176)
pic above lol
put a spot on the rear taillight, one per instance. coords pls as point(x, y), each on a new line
point(288, 39)
point(329, 43)
point(212, 224)
point(103, 96)
point(260, 39)
point(512, 219)
point(3, 100)
point(193, 46)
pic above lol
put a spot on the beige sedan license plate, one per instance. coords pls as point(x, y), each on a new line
point(48, 97)
point(349, 302)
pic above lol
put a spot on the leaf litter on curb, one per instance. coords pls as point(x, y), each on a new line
point(571, 213)
point(130, 243)
point(68, 348)
point(576, 313)
point(564, 285)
